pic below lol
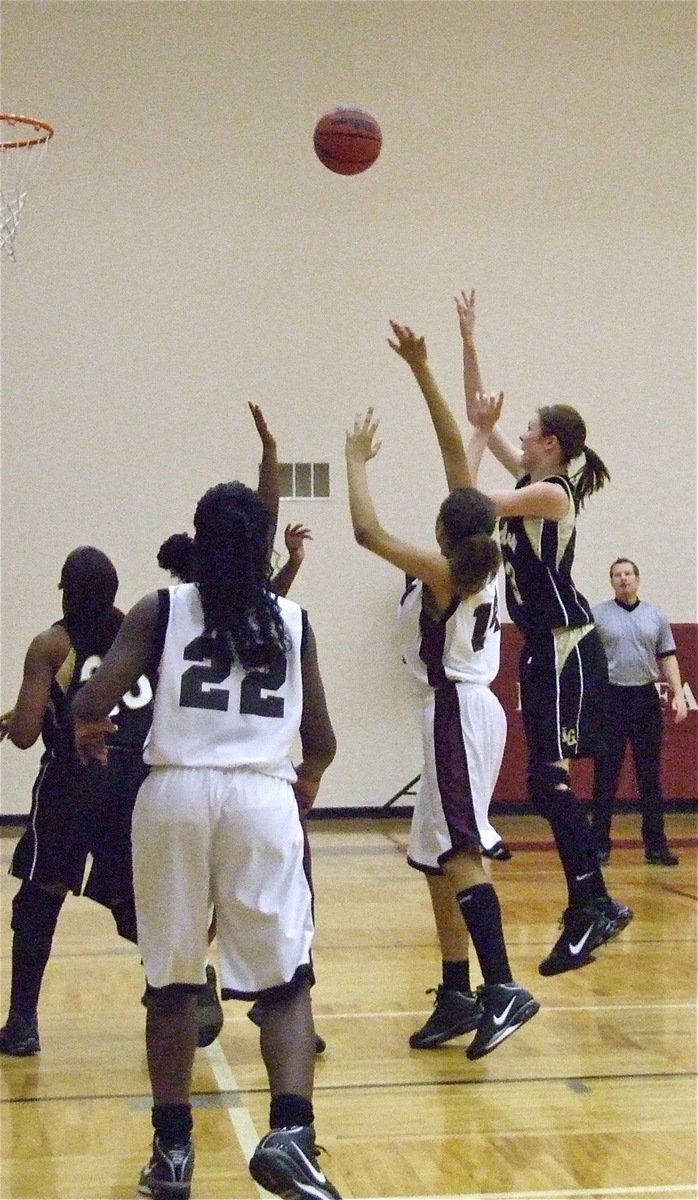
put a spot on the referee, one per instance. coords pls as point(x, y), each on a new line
point(639, 647)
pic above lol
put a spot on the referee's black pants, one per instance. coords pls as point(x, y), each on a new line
point(633, 714)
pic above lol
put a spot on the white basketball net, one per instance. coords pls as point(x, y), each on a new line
point(23, 143)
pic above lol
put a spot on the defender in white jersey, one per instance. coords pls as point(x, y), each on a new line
point(217, 823)
point(453, 661)
point(562, 669)
point(448, 621)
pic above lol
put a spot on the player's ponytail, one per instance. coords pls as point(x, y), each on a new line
point(176, 555)
point(564, 423)
point(468, 519)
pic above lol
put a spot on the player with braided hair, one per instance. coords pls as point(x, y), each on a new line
point(217, 822)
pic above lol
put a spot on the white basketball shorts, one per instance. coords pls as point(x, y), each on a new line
point(228, 838)
point(463, 735)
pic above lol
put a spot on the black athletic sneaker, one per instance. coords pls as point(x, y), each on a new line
point(660, 856)
point(285, 1163)
point(454, 1013)
point(256, 1016)
point(583, 929)
point(499, 851)
point(505, 1008)
point(209, 1013)
point(168, 1174)
point(617, 915)
point(19, 1036)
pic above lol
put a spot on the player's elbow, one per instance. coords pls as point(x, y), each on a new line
point(23, 738)
point(367, 536)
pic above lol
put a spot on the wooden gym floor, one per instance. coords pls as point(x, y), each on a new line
point(596, 1097)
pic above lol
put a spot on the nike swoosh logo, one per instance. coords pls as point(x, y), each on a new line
point(316, 1174)
point(576, 947)
point(503, 1016)
point(580, 878)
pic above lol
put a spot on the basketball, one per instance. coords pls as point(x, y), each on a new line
point(347, 140)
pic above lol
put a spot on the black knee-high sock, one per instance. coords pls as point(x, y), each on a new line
point(572, 835)
point(34, 918)
point(482, 915)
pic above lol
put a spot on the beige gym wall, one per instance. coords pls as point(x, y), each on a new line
point(184, 252)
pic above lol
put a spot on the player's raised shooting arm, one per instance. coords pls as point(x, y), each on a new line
point(504, 450)
point(429, 566)
point(414, 352)
point(268, 486)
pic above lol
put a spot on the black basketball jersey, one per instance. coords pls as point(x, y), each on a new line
point(132, 715)
point(538, 556)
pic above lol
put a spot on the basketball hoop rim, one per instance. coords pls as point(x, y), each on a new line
point(30, 141)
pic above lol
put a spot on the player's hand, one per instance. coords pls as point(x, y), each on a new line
point(265, 435)
point(5, 722)
point(360, 446)
point(305, 791)
point(465, 307)
point(294, 536)
point(408, 346)
point(90, 740)
point(678, 704)
point(486, 410)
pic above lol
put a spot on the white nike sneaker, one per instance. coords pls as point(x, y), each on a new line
point(505, 1008)
point(285, 1163)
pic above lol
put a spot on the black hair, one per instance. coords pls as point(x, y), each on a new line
point(468, 518)
point(564, 423)
point(89, 583)
point(176, 555)
point(232, 534)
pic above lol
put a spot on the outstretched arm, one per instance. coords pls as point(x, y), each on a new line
point(413, 350)
point(294, 537)
point(501, 446)
point(431, 567)
point(268, 486)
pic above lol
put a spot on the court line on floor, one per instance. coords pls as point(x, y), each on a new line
point(240, 1116)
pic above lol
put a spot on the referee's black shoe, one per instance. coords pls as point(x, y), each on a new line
point(660, 856)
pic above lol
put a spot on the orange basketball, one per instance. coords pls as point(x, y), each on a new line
point(347, 140)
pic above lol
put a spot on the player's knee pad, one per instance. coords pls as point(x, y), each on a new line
point(35, 912)
point(548, 785)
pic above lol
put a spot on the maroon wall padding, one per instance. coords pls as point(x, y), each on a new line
point(680, 752)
